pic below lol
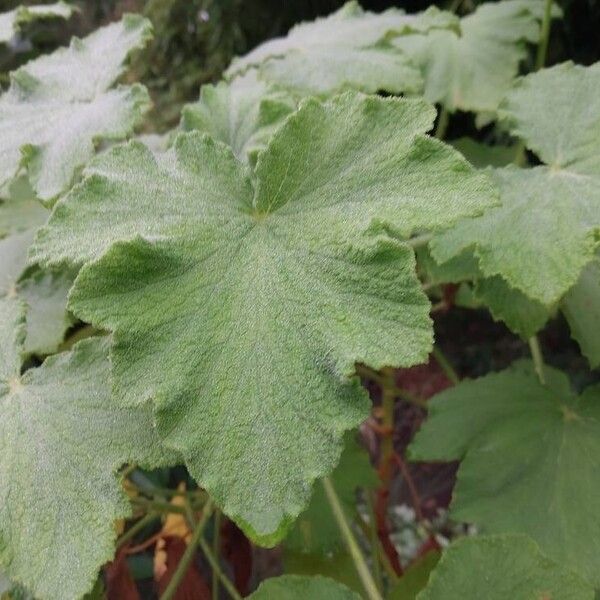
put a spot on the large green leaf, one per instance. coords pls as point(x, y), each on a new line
point(348, 49)
point(59, 105)
point(244, 303)
point(546, 230)
point(62, 440)
point(243, 113)
point(12, 21)
point(296, 587)
point(502, 567)
point(472, 68)
point(529, 459)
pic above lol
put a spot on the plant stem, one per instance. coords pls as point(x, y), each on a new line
point(538, 358)
point(157, 506)
point(216, 569)
point(351, 543)
point(544, 36)
point(442, 124)
point(215, 550)
point(136, 528)
point(374, 541)
point(445, 365)
point(188, 555)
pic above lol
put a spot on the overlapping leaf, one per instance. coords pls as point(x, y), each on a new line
point(243, 113)
point(348, 49)
point(500, 567)
point(472, 68)
point(529, 459)
point(295, 587)
point(244, 303)
point(546, 230)
point(62, 439)
point(59, 105)
point(12, 21)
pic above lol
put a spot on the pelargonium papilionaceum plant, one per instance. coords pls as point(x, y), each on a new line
point(209, 299)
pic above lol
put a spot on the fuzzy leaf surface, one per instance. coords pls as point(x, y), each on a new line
point(62, 440)
point(243, 113)
point(59, 105)
point(529, 459)
point(348, 49)
point(296, 587)
point(547, 228)
point(236, 284)
point(12, 21)
point(498, 567)
point(472, 68)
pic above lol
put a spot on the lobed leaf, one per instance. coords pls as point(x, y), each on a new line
point(296, 587)
point(241, 280)
point(529, 459)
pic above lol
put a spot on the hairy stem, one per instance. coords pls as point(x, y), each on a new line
point(188, 555)
point(445, 365)
point(542, 50)
point(136, 528)
point(359, 560)
point(217, 571)
point(538, 358)
point(442, 124)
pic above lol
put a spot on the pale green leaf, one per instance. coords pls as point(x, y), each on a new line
point(296, 587)
point(547, 228)
point(243, 113)
point(502, 567)
point(315, 531)
point(62, 440)
point(482, 155)
point(472, 68)
point(238, 284)
point(12, 21)
point(529, 459)
point(581, 307)
point(58, 106)
point(415, 578)
point(348, 49)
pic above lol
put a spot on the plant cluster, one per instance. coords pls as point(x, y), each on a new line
point(210, 297)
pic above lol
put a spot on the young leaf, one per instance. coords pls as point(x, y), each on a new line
point(499, 567)
point(59, 105)
point(348, 49)
point(243, 113)
point(296, 587)
point(12, 21)
point(581, 307)
point(546, 230)
point(529, 459)
point(472, 68)
point(237, 285)
point(315, 531)
point(62, 439)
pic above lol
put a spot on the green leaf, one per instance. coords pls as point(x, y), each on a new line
point(472, 68)
point(12, 21)
point(243, 113)
point(295, 587)
point(58, 106)
point(315, 531)
point(500, 567)
point(581, 307)
point(238, 284)
point(546, 230)
point(348, 49)
point(415, 578)
point(62, 440)
point(482, 155)
point(529, 459)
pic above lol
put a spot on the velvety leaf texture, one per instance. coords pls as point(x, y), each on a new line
point(472, 68)
point(546, 230)
point(62, 439)
point(12, 21)
point(529, 459)
point(59, 105)
point(244, 303)
point(295, 587)
point(348, 49)
point(243, 113)
point(502, 567)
